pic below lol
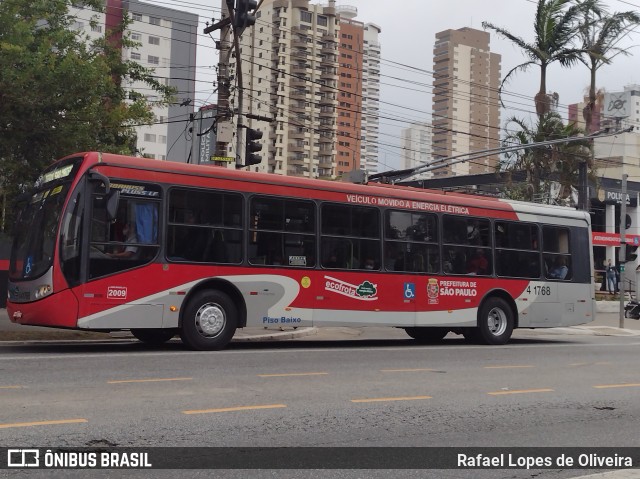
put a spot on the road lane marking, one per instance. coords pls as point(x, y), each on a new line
point(628, 385)
point(408, 370)
point(42, 423)
point(405, 398)
point(121, 381)
point(515, 366)
point(604, 363)
point(520, 391)
point(290, 374)
point(236, 408)
point(11, 387)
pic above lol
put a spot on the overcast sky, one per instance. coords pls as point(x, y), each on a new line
point(408, 34)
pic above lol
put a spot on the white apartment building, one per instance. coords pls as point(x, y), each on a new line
point(294, 62)
point(168, 40)
point(371, 99)
point(416, 148)
point(290, 73)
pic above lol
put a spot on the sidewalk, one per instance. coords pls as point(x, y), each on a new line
point(607, 323)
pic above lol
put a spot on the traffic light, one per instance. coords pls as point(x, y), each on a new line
point(252, 146)
point(243, 18)
point(631, 253)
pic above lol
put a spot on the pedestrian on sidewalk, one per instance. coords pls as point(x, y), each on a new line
point(612, 278)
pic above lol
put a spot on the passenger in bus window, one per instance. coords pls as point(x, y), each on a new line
point(369, 264)
point(560, 269)
point(473, 232)
point(130, 238)
point(478, 263)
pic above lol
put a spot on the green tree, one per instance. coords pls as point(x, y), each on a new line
point(551, 171)
point(600, 33)
point(61, 93)
point(555, 26)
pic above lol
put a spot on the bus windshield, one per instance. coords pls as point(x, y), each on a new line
point(37, 222)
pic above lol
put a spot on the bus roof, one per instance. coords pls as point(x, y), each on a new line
point(371, 189)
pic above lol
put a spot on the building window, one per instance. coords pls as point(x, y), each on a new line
point(135, 56)
point(162, 139)
point(154, 40)
point(322, 21)
point(96, 28)
point(154, 21)
point(136, 37)
point(305, 16)
point(150, 137)
point(137, 17)
point(153, 60)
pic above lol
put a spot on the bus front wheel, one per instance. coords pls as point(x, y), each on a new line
point(153, 336)
point(209, 321)
point(495, 322)
point(427, 335)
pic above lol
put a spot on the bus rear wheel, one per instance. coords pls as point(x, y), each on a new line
point(153, 336)
point(427, 335)
point(209, 321)
point(495, 322)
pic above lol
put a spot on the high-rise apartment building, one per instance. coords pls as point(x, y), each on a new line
point(290, 73)
point(416, 147)
point(371, 100)
point(466, 109)
point(360, 58)
point(302, 64)
point(168, 40)
point(350, 89)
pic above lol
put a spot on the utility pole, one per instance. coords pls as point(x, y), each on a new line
point(622, 254)
point(224, 82)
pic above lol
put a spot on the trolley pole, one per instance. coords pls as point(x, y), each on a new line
point(622, 254)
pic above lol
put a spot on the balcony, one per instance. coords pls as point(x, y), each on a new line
point(327, 91)
point(300, 43)
point(301, 68)
point(328, 74)
point(297, 135)
point(326, 139)
point(299, 94)
point(299, 107)
point(296, 148)
point(298, 82)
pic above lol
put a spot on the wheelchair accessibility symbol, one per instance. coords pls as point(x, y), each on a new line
point(409, 290)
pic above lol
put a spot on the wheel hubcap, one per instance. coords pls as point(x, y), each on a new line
point(497, 321)
point(210, 319)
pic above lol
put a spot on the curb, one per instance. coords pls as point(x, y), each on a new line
point(276, 335)
point(125, 336)
point(583, 331)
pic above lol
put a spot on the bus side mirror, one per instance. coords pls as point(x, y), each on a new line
point(113, 199)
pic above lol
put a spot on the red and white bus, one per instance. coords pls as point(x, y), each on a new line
point(108, 242)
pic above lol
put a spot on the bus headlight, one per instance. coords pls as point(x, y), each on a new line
point(42, 291)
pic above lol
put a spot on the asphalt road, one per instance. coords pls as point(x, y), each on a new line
point(543, 389)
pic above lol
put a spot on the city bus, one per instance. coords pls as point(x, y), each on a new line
point(106, 242)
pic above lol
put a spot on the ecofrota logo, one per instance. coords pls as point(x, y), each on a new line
point(23, 458)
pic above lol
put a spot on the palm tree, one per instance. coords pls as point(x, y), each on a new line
point(555, 26)
point(546, 165)
point(600, 34)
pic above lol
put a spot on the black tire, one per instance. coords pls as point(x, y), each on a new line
point(495, 322)
point(153, 337)
point(209, 321)
point(427, 335)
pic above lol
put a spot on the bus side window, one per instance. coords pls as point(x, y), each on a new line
point(556, 253)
